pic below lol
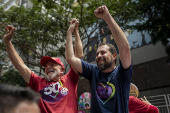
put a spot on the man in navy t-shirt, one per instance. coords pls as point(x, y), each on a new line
point(110, 85)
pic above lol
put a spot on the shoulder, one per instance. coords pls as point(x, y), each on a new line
point(121, 66)
point(34, 76)
point(71, 74)
point(36, 82)
point(71, 71)
point(153, 109)
point(86, 64)
point(35, 79)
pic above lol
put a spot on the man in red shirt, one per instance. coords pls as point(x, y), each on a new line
point(58, 93)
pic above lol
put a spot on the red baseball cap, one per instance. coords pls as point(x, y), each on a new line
point(44, 60)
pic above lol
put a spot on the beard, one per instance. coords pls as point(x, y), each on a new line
point(105, 65)
point(52, 75)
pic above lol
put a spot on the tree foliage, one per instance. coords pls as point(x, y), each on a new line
point(35, 35)
point(41, 30)
point(12, 77)
point(156, 19)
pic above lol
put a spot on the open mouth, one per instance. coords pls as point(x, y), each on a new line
point(50, 71)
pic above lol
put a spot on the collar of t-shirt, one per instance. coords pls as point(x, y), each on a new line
point(106, 77)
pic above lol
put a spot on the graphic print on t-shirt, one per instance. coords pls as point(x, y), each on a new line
point(105, 92)
point(53, 92)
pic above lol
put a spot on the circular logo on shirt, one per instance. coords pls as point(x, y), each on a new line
point(63, 91)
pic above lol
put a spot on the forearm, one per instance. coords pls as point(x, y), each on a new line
point(17, 61)
point(69, 52)
point(13, 55)
point(117, 33)
point(78, 45)
point(121, 41)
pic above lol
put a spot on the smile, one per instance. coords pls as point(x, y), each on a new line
point(50, 71)
point(100, 60)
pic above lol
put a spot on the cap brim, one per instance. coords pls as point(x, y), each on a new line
point(45, 59)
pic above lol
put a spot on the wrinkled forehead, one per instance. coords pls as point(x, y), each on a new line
point(102, 48)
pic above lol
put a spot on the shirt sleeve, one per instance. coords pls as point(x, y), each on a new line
point(74, 77)
point(153, 109)
point(87, 69)
point(136, 105)
point(34, 82)
point(126, 74)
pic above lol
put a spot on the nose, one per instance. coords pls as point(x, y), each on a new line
point(47, 67)
point(99, 56)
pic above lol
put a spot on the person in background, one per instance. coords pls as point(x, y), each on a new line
point(58, 93)
point(141, 106)
point(110, 84)
point(15, 99)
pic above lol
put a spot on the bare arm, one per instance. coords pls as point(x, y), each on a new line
point(118, 35)
point(70, 57)
point(78, 43)
point(14, 57)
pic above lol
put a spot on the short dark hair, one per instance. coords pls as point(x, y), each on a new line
point(112, 49)
point(11, 96)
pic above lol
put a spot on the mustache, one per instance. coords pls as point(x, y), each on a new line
point(50, 70)
point(101, 58)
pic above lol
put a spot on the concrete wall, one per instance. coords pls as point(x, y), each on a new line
point(150, 70)
point(153, 92)
point(151, 75)
point(148, 53)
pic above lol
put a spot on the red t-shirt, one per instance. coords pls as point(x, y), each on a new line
point(68, 104)
point(138, 106)
point(153, 109)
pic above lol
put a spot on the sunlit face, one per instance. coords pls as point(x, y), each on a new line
point(104, 58)
point(26, 107)
point(53, 71)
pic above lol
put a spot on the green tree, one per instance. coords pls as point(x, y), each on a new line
point(122, 11)
point(155, 19)
point(42, 31)
point(35, 35)
point(12, 77)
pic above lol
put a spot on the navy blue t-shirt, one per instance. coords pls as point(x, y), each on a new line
point(109, 91)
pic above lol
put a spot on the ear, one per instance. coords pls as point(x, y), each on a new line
point(114, 56)
point(62, 70)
